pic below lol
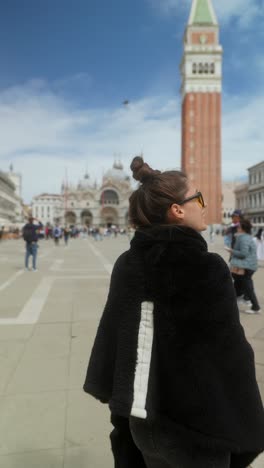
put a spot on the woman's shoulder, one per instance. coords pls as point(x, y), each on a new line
point(121, 261)
point(216, 262)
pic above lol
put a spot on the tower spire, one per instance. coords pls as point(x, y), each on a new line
point(201, 71)
point(202, 13)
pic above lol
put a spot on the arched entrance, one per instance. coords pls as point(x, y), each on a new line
point(86, 218)
point(70, 218)
point(109, 216)
point(109, 197)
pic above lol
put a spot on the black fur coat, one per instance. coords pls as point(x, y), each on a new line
point(201, 383)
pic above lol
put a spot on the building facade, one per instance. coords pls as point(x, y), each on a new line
point(250, 196)
point(8, 201)
point(256, 193)
point(228, 200)
point(201, 71)
point(86, 204)
point(241, 196)
point(16, 178)
point(47, 208)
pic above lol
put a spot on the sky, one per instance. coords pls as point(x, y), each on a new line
point(68, 65)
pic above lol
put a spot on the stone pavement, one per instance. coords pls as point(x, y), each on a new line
point(48, 320)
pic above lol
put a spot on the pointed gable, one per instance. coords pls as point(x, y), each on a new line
point(202, 13)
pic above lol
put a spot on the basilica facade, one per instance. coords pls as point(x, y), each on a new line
point(87, 204)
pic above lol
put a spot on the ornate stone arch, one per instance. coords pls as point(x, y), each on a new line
point(109, 215)
point(70, 218)
point(109, 197)
point(86, 217)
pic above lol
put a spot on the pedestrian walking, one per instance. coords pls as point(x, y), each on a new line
point(57, 234)
point(259, 241)
point(170, 357)
point(30, 234)
point(66, 234)
point(244, 264)
point(230, 234)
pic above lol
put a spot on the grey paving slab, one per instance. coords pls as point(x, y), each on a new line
point(47, 346)
point(14, 333)
point(38, 459)
point(51, 314)
point(87, 421)
point(83, 328)
point(51, 329)
point(94, 456)
point(77, 372)
point(39, 375)
point(10, 353)
point(32, 422)
point(12, 303)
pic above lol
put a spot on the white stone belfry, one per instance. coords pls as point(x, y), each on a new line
point(201, 66)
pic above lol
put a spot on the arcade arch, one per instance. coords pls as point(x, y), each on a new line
point(70, 218)
point(109, 216)
point(86, 218)
point(109, 197)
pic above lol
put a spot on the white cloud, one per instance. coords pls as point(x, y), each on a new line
point(42, 134)
point(245, 11)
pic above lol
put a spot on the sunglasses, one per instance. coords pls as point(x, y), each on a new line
point(197, 196)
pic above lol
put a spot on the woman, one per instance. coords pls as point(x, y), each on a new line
point(244, 258)
point(170, 357)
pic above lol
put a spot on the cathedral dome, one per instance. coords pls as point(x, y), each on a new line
point(85, 183)
point(117, 173)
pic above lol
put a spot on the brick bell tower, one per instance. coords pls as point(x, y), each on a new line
point(201, 71)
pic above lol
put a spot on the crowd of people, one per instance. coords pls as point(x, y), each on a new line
point(34, 230)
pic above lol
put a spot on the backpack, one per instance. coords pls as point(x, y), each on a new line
point(56, 232)
point(29, 233)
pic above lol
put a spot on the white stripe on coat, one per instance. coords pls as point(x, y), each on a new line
point(144, 351)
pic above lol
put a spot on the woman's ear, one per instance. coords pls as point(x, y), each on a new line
point(175, 213)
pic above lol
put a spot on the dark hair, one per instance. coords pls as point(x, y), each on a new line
point(246, 225)
point(259, 233)
point(158, 191)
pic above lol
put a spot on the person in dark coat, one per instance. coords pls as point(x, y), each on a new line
point(236, 216)
point(170, 357)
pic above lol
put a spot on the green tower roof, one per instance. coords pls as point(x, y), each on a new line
point(202, 12)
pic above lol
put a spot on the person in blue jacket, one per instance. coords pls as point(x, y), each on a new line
point(244, 257)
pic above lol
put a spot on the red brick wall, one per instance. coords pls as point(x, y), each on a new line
point(205, 171)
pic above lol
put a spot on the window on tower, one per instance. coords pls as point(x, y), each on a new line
point(200, 68)
point(194, 68)
point(206, 68)
point(212, 68)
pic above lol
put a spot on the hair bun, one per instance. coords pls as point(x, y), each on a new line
point(141, 170)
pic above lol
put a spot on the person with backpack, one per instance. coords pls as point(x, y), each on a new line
point(57, 234)
point(30, 235)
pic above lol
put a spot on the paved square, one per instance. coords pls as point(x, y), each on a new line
point(48, 320)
